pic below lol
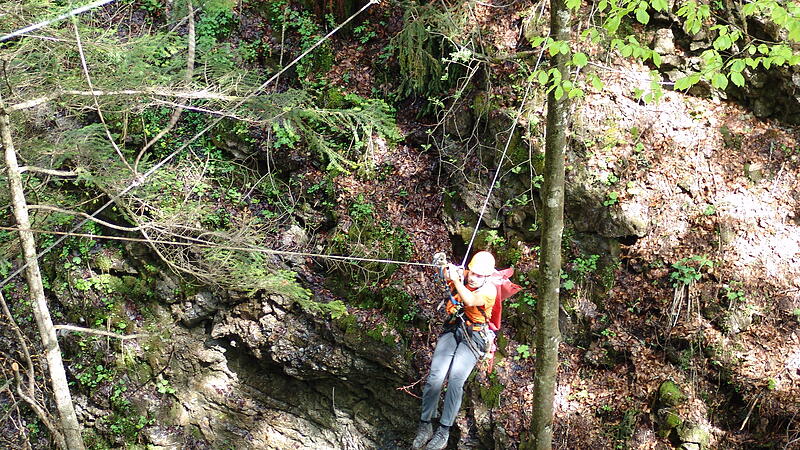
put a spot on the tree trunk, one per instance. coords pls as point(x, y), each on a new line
point(548, 335)
point(66, 410)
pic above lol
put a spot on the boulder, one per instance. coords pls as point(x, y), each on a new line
point(670, 394)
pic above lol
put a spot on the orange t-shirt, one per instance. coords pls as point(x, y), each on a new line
point(487, 292)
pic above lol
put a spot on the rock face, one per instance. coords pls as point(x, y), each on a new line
point(268, 377)
point(585, 207)
point(768, 93)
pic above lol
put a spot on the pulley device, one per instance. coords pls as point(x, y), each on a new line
point(440, 261)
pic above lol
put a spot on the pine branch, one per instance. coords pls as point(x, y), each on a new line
point(94, 98)
point(173, 120)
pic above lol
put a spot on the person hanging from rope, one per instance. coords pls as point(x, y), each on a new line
point(460, 346)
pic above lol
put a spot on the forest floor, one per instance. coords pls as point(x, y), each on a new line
point(719, 185)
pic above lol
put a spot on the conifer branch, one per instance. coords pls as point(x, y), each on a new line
point(94, 98)
point(173, 120)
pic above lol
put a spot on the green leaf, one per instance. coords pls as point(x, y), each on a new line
point(612, 25)
point(723, 42)
point(659, 5)
point(596, 83)
point(751, 49)
point(737, 65)
point(642, 16)
point(779, 15)
point(737, 79)
point(580, 59)
point(554, 48)
point(749, 9)
point(575, 93)
point(559, 93)
point(602, 5)
point(573, 4)
point(719, 81)
point(763, 49)
point(766, 62)
point(556, 75)
point(656, 59)
point(794, 31)
point(752, 62)
point(543, 77)
point(627, 50)
point(687, 81)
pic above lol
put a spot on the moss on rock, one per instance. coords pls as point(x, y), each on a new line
point(670, 394)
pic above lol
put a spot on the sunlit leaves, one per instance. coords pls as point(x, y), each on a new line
point(595, 81)
point(656, 59)
point(580, 59)
point(659, 5)
point(641, 14)
point(694, 16)
point(719, 81)
point(556, 47)
point(737, 79)
point(779, 15)
point(686, 82)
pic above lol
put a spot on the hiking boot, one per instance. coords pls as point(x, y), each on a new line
point(439, 439)
point(424, 433)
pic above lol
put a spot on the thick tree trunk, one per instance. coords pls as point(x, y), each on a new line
point(41, 311)
point(548, 335)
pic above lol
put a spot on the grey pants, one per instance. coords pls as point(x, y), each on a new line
point(452, 360)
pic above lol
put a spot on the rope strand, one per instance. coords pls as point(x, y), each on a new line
point(496, 174)
point(55, 19)
point(207, 244)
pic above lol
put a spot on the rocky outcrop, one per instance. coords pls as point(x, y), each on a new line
point(268, 375)
point(769, 92)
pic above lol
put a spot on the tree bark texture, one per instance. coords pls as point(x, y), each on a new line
point(548, 335)
point(41, 311)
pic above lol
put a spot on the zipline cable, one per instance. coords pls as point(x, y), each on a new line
point(207, 244)
point(496, 174)
point(74, 12)
point(140, 180)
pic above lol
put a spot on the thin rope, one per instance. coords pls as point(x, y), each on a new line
point(140, 180)
point(74, 12)
point(207, 244)
point(496, 174)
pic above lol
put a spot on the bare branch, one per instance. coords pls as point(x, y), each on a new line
point(41, 414)
point(55, 173)
point(22, 344)
point(121, 337)
point(82, 214)
point(159, 92)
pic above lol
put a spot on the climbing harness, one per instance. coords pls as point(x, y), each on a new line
point(457, 322)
